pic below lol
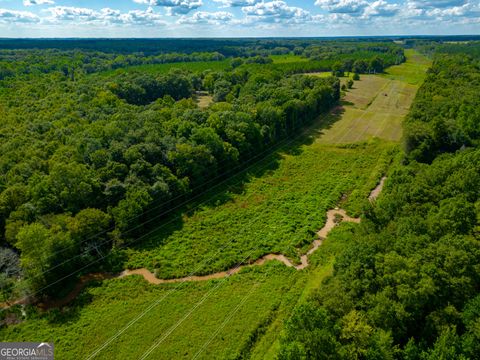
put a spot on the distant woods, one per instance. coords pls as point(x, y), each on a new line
point(77, 58)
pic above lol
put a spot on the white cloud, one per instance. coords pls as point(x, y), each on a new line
point(468, 10)
point(265, 17)
point(211, 18)
point(73, 13)
point(13, 16)
point(439, 3)
point(381, 8)
point(105, 16)
point(174, 7)
point(361, 8)
point(342, 6)
point(237, 3)
point(37, 2)
point(275, 12)
point(442, 10)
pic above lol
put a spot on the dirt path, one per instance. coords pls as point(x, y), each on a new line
point(334, 217)
point(378, 189)
point(82, 283)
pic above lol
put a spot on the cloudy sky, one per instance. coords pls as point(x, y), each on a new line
point(226, 18)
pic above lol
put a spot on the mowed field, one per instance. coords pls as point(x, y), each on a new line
point(377, 104)
point(275, 207)
point(412, 71)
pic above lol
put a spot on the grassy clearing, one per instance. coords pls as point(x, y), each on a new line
point(413, 71)
point(324, 74)
point(364, 91)
point(195, 66)
point(82, 329)
point(377, 104)
point(203, 99)
point(290, 58)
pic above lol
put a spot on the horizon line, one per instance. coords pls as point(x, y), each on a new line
point(239, 37)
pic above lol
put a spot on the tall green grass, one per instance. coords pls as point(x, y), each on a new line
point(103, 310)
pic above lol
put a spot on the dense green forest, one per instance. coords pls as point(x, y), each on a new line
point(407, 285)
point(88, 159)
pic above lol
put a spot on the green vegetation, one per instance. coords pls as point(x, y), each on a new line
point(104, 309)
point(377, 105)
point(290, 58)
point(284, 208)
point(443, 120)
point(412, 71)
point(96, 155)
point(249, 171)
point(93, 162)
point(199, 66)
point(406, 286)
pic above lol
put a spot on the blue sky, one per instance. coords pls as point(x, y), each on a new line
point(236, 18)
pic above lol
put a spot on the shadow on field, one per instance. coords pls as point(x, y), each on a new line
point(346, 103)
point(60, 315)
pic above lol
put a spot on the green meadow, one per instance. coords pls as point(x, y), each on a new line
point(289, 58)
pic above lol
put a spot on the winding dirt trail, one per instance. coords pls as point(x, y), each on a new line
point(378, 189)
point(334, 218)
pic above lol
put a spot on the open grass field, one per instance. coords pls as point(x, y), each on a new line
point(277, 207)
point(413, 71)
point(377, 104)
point(77, 333)
point(265, 295)
point(324, 74)
point(283, 59)
point(203, 99)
